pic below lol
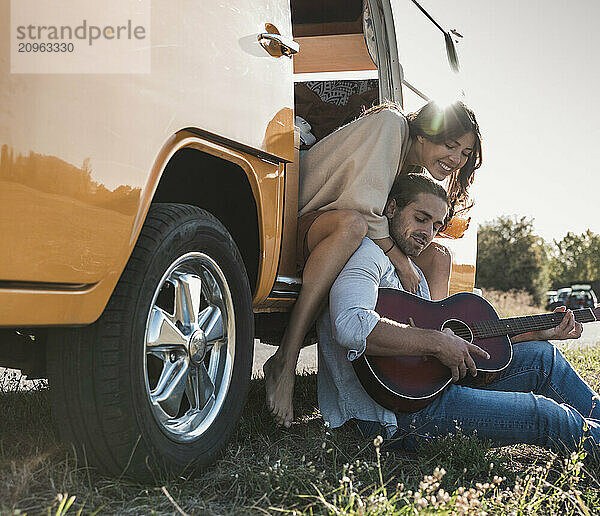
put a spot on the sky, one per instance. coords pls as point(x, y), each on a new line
point(531, 73)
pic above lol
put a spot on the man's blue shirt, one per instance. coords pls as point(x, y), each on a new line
point(343, 330)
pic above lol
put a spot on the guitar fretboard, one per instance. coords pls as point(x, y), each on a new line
point(516, 325)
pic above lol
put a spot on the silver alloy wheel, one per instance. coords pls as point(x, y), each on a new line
point(189, 346)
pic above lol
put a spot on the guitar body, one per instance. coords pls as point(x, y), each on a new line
point(408, 384)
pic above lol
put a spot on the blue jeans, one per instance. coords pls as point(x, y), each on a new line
point(538, 399)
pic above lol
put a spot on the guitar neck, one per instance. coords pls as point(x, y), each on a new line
point(515, 325)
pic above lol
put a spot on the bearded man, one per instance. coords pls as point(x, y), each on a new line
point(538, 399)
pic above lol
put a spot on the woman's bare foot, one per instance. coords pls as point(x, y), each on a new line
point(279, 384)
point(331, 239)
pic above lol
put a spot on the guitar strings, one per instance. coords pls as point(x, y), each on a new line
point(515, 325)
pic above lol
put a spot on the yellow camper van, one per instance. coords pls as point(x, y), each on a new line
point(148, 215)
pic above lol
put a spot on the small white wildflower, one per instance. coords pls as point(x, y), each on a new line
point(443, 496)
point(438, 473)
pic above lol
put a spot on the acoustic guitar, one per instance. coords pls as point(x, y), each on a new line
point(408, 384)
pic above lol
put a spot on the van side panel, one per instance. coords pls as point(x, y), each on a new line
point(39, 304)
point(79, 153)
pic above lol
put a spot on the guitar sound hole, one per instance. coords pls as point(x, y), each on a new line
point(459, 328)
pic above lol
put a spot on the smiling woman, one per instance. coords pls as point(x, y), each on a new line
point(443, 158)
point(344, 185)
point(446, 141)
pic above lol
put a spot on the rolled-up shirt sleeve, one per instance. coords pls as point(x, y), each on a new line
point(353, 297)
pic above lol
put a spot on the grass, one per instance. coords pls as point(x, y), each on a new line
point(308, 469)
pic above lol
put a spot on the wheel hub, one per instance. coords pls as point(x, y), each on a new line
point(197, 347)
point(190, 346)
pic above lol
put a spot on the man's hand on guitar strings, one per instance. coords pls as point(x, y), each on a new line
point(455, 353)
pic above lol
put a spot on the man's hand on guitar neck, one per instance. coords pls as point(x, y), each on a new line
point(567, 329)
point(389, 338)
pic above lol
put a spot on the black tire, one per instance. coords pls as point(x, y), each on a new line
point(109, 382)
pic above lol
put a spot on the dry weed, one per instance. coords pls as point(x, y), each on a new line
point(512, 303)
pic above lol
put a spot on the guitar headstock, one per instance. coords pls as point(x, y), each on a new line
point(587, 314)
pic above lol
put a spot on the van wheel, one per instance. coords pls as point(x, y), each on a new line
point(158, 383)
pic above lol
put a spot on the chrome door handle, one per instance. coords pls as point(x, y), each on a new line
point(287, 46)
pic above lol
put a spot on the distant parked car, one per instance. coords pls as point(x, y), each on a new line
point(562, 295)
point(581, 296)
point(551, 297)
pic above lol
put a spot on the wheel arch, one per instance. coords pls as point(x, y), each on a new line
point(222, 187)
point(243, 191)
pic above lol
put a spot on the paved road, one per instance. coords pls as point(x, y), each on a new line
point(590, 337)
point(306, 363)
point(308, 356)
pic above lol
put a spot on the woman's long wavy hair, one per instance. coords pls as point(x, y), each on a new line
point(439, 124)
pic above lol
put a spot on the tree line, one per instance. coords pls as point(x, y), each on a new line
point(511, 256)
